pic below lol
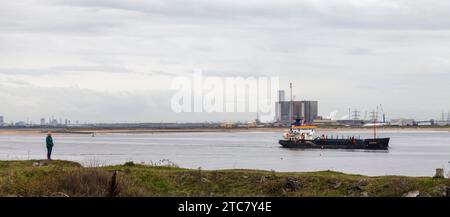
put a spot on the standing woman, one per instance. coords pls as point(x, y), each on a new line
point(49, 142)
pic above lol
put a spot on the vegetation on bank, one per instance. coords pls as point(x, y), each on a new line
point(65, 178)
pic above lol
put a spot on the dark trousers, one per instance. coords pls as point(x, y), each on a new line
point(49, 152)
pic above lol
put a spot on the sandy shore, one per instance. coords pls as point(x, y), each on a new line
point(144, 130)
point(19, 131)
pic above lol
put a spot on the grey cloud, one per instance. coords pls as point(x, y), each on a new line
point(404, 14)
point(360, 51)
point(43, 17)
point(98, 68)
point(342, 53)
point(97, 107)
point(64, 69)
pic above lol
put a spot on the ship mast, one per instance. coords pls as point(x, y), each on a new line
point(374, 118)
point(374, 128)
point(375, 125)
point(292, 104)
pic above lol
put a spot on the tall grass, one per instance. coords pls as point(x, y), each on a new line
point(88, 182)
point(64, 178)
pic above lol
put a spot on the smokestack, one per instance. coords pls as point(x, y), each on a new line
point(281, 96)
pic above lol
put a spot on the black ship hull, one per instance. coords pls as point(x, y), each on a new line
point(370, 144)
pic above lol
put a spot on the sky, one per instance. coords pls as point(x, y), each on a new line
point(114, 61)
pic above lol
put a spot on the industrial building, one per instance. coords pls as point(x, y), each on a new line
point(325, 122)
point(403, 122)
point(286, 111)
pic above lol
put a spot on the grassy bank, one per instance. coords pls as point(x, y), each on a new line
point(64, 178)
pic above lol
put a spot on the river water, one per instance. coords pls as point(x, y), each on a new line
point(413, 153)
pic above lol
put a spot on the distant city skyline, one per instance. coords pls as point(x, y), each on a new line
point(113, 61)
point(444, 116)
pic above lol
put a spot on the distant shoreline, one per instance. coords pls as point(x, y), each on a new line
point(25, 131)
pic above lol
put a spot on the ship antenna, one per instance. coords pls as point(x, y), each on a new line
point(292, 104)
point(375, 125)
point(374, 118)
point(374, 128)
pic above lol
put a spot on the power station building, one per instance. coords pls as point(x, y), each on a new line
point(286, 111)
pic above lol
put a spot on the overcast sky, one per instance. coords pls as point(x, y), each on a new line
point(113, 61)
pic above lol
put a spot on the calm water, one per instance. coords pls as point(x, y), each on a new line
point(415, 153)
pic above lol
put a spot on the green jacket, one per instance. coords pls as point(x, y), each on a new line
point(49, 141)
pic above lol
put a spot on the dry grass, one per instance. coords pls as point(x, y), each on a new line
point(88, 182)
point(63, 178)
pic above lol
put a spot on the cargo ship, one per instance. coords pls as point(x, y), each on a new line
point(302, 136)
